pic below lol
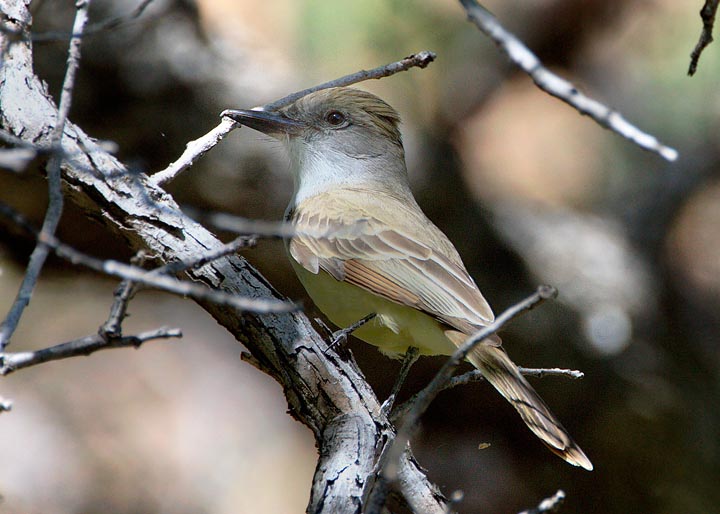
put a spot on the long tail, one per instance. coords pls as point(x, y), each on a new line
point(503, 374)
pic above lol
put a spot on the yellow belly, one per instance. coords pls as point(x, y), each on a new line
point(394, 328)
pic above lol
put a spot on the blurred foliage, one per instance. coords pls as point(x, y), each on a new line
point(528, 190)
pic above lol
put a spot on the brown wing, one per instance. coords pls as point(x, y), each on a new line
point(392, 264)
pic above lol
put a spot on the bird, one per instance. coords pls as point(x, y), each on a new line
point(362, 245)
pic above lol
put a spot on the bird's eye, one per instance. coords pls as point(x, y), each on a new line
point(335, 118)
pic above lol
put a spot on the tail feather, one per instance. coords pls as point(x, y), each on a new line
point(503, 374)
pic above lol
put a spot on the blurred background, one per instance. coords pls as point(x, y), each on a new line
point(530, 192)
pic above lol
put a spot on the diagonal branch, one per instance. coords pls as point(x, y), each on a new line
point(557, 86)
point(393, 451)
point(10, 362)
point(420, 60)
point(195, 149)
point(158, 278)
point(118, 310)
point(55, 204)
point(93, 28)
point(476, 376)
point(109, 336)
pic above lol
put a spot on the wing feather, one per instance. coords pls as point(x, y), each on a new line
point(395, 264)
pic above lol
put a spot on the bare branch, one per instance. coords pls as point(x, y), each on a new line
point(10, 362)
point(109, 335)
point(199, 147)
point(114, 22)
point(411, 356)
point(393, 451)
point(171, 285)
point(476, 376)
point(194, 150)
point(112, 328)
point(90, 29)
point(156, 278)
point(420, 60)
point(557, 86)
point(239, 225)
point(16, 159)
point(55, 204)
point(340, 336)
point(707, 13)
point(551, 504)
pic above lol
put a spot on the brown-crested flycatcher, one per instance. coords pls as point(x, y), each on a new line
point(364, 246)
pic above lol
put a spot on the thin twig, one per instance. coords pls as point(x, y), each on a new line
point(10, 362)
point(109, 334)
point(55, 202)
point(199, 147)
point(13, 139)
point(707, 14)
point(390, 458)
point(340, 336)
point(240, 225)
point(551, 504)
point(411, 356)
point(169, 284)
point(193, 151)
point(153, 278)
point(16, 159)
point(112, 328)
point(420, 60)
point(93, 28)
point(557, 86)
point(476, 376)
point(114, 22)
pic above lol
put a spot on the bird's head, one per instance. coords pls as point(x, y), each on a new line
point(348, 120)
point(335, 136)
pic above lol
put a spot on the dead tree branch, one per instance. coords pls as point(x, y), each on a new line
point(90, 29)
point(420, 60)
point(476, 376)
point(159, 278)
point(521, 56)
point(10, 362)
point(199, 147)
point(391, 456)
point(707, 14)
point(55, 204)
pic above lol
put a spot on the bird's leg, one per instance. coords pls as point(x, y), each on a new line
point(340, 336)
point(411, 355)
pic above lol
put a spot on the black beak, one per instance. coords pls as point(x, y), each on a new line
point(270, 123)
